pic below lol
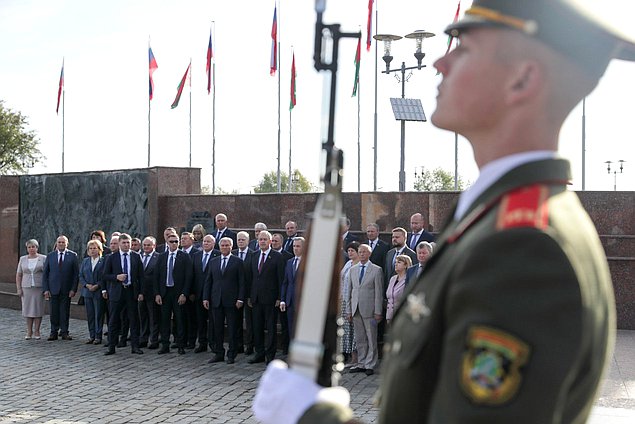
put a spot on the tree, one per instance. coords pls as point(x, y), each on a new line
point(437, 180)
point(269, 183)
point(18, 147)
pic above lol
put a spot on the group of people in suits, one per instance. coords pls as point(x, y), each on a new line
point(373, 281)
point(194, 285)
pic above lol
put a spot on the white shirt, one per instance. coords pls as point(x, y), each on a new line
point(491, 172)
point(126, 258)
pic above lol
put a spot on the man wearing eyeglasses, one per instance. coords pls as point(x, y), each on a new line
point(171, 289)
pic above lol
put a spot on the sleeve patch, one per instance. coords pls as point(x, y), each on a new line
point(491, 365)
point(525, 207)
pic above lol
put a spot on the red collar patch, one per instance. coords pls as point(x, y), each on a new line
point(525, 207)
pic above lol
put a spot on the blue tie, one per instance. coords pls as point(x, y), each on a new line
point(170, 269)
point(361, 273)
point(222, 266)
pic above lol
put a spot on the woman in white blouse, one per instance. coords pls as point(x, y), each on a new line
point(28, 280)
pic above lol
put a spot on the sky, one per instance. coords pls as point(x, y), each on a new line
point(104, 46)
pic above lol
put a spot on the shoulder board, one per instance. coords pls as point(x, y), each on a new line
point(525, 207)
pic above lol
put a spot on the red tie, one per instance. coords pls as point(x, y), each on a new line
point(262, 261)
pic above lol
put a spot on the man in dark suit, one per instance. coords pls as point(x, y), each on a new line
point(266, 273)
point(190, 319)
point(378, 247)
point(276, 245)
point(418, 233)
point(205, 322)
point(172, 286)
point(424, 251)
point(222, 230)
point(59, 284)
point(245, 336)
point(149, 311)
point(224, 295)
point(398, 248)
point(287, 294)
point(291, 228)
point(123, 273)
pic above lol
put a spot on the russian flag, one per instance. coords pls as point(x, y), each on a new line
point(153, 67)
point(208, 67)
point(59, 90)
point(274, 43)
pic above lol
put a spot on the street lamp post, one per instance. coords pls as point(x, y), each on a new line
point(608, 168)
point(387, 39)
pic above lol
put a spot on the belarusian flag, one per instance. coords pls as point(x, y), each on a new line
point(292, 102)
point(369, 24)
point(357, 60)
point(180, 88)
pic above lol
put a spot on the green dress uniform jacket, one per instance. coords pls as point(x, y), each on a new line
point(513, 320)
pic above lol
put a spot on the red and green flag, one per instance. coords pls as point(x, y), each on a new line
point(293, 99)
point(60, 88)
point(179, 91)
point(456, 18)
point(357, 60)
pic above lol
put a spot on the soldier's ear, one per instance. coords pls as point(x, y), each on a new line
point(525, 82)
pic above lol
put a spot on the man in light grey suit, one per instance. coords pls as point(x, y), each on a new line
point(364, 308)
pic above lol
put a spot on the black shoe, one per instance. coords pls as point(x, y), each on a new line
point(137, 351)
point(143, 344)
point(164, 349)
point(249, 351)
point(256, 359)
point(190, 346)
point(90, 341)
point(181, 351)
point(230, 360)
point(97, 342)
point(215, 359)
point(109, 352)
point(369, 372)
point(174, 346)
point(52, 337)
point(121, 344)
point(354, 370)
point(153, 346)
point(200, 348)
point(66, 337)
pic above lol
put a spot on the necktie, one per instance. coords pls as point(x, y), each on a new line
point(262, 261)
point(361, 273)
point(145, 261)
point(125, 268)
point(242, 256)
point(419, 269)
point(413, 242)
point(205, 259)
point(222, 265)
point(394, 258)
point(170, 269)
point(295, 265)
point(61, 259)
point(371, 244)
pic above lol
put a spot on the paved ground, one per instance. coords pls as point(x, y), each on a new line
point(69, 382)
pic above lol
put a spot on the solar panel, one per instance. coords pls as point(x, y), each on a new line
point(407, 109)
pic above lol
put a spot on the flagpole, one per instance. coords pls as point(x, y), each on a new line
point(190, 112)
point(279, 72)
point(213, 113)
point(456, 161)
point(375, 116)
point(583, 143)
point(149, 109)
point(359, 148)
point(290, 134)
point(63, 113)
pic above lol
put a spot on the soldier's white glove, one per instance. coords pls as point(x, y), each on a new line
point(283, 396)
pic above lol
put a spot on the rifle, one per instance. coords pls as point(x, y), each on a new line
point(313, 352)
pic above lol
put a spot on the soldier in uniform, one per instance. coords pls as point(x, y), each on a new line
point(513, 320)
